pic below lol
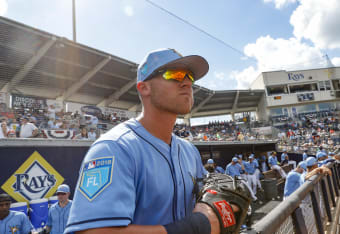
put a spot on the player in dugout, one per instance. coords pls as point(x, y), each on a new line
point(140, 177)
point(13, 221)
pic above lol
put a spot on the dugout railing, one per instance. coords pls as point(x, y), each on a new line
point(312, 209)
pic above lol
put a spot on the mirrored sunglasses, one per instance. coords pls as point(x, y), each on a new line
point(178, 75)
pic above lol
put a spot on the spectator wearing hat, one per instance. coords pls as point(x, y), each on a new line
point(59, 212)
point(12, 221)
point(294, 179)
point(273, 163)
point(27, 130)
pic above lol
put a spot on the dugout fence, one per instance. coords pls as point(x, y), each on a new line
point(312, 209)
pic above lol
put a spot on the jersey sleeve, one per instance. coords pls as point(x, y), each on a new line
point(27, 226)
point(49, 218)
point(105, 192)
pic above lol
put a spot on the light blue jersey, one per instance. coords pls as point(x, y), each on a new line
point(16, 222)
point(304, 156)
point(272, 161)
point(283, 156)
point(233, 170)
point(57, 217)
point(219, 170)
point(293, 181)
point(131, 177)
point(250, 167)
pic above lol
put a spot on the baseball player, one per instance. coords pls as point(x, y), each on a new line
point(272, 161)
point(59, 212)
point(285, 156)
point(13, 221)
point(250, 168)
point(217, 169)
point(234, 169)
point(141, 178)
point(304, 155)
point(294, 179)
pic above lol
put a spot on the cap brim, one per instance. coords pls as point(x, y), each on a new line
point(195, 63)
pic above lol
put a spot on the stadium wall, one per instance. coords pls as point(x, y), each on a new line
point(34, 168)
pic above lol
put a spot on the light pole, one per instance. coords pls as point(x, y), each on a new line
point(74, 20)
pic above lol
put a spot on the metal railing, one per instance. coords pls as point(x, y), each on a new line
point(308, 210)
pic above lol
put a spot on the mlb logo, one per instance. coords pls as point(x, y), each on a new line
point(91, 165)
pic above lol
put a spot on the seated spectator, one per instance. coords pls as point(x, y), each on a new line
point(92, 134)
point(50, 123)
point(14, 125)
point(83, 135)
point(11, 134)
point(28, 130)
point(4, 130)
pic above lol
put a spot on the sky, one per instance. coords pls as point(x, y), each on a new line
point(239, 38)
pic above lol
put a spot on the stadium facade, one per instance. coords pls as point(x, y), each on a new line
point(300, 92)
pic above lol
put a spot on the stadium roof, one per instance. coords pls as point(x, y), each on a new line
point(37, 63)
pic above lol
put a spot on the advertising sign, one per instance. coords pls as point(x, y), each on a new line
point(305, 97)
point(20, 101)
point(34, 179)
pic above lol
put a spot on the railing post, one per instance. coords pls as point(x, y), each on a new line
point(299, 222)
point(331, 190)
point(317, 215)
point(325, 200)
point(335, 181)
point(336, 169)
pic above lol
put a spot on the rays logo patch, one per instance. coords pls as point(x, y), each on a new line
point(96, 176)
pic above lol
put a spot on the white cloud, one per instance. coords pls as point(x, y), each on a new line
point(128, 10)
point(277, 54)
point(245, 77)
point(3, 7)
point(280, 3)
point(318, 20)
point(220, 75)
point(336, 61)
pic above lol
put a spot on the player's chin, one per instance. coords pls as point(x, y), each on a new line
point(183, 109)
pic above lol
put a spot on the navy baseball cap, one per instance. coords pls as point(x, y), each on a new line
point(171, 59)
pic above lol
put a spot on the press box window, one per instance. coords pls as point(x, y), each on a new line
point(277, 90)
point(302, 88)
point(325, 85)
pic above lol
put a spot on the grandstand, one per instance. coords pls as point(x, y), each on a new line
point(39, 64)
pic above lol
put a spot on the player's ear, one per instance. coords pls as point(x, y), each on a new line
point(144, 88)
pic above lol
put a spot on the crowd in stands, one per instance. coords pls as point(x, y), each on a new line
point(306, 131)
point(31, 123)
point(217, 131)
